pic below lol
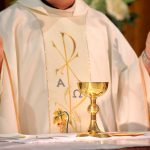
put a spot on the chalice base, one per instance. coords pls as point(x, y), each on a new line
point(100, 135)
point(94, 134)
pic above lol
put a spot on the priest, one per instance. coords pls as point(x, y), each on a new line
point(47, 47)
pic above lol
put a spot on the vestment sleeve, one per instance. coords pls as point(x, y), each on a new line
point(130, 84)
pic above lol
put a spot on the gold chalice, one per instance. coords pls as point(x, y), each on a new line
point(93, 90)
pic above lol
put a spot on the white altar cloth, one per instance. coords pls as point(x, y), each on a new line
point(70, 142)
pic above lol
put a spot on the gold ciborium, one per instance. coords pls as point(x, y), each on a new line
point(93, 90)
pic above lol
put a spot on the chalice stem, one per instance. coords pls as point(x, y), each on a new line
point(93, 109)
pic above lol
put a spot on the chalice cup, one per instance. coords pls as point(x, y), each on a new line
point(93, 90)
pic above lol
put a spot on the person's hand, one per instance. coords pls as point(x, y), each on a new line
point(146, 54)
point(1, 53)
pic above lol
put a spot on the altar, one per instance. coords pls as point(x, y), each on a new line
point(72, 142)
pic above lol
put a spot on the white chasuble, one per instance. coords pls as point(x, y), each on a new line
point(65, 50)
point(48, 52)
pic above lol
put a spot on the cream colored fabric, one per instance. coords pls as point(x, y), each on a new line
point(123, 107)
point(64, 56)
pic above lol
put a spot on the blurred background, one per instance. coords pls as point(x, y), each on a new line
point(132, 17)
